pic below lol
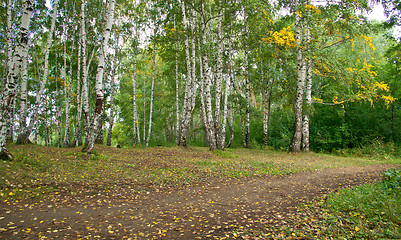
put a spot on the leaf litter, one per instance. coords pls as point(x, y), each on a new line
point(167, 193)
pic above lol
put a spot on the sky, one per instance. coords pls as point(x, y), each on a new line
point(377, 13)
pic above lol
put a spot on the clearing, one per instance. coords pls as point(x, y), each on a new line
point(169, 193)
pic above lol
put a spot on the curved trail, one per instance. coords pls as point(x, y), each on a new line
point(220, 208)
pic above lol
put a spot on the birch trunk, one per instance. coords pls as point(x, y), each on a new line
point(186, 111)
point(99, 132)
point(9, 53)
point(308, 101)
point(9, 50)
point(230, 121)
point(67, 98)
point(267, 96)
point(135, 114)
point(85, 69)
point(247, 96)
point(222, 139)
point(207, 89)
point(151, 95)
point(193, 60)
point(219, 82)
point(247, 90)
point(11, 85)
point(177, 100)
point(23, 136)
point(202, 94)
point(301, 72)
point(113, 89)
point(99, 79)
point(24, 92)
point(78, 134)
point(265, 117)
point(231, 80)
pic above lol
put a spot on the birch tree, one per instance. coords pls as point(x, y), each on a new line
point(135, 125)
point(25, 131)
point(219, 79)
point(8, 66)
point(308, 100)
point(85, 70)
point(67, 99)
point(207, 82)
point(152, 92)
point(186, 111)
point(113, 83)
point(11, 84)
point(9, 50)
point(78, 134)
point(301, 73)
point(177, 99)
point(90, 142)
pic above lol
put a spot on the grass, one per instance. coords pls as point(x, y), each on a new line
point(370, 211)
point(367, 212)
point(38, 171)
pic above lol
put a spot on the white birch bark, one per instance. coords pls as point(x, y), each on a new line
point(151, 95)
point(67, 97)
point(218, 82)
point(11, 84)
point(9, 50)
point(193, 60)
point(247, 96)
point(301, 72)
point(207, 88)
point(222, 139)
point(78, 134)
point(85, 69)
point(186, 111)
point(231, 83)
point(177, 100)
point(135, 139)
point(99, 79)
point(247, 90)
point(308, 100)
point(24, 136)
point(113, 89)
point(265, 92)
point(24, 92)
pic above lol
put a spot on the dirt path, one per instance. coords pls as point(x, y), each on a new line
point(220, 208)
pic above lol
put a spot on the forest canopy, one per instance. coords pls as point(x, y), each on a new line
point(293, 75)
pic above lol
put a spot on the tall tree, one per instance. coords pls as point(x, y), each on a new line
point(301, 73)
point(25, 131)
point(90, 141)
point(136, 138)
point(152, 92)
point(207, 81)
point(187, 106)
point(11, 84)
point(113, 83)
point(85, 69)
point(78, 134)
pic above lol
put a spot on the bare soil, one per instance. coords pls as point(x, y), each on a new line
point(224, 208)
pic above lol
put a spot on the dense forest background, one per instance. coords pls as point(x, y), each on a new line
point(298, 75)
